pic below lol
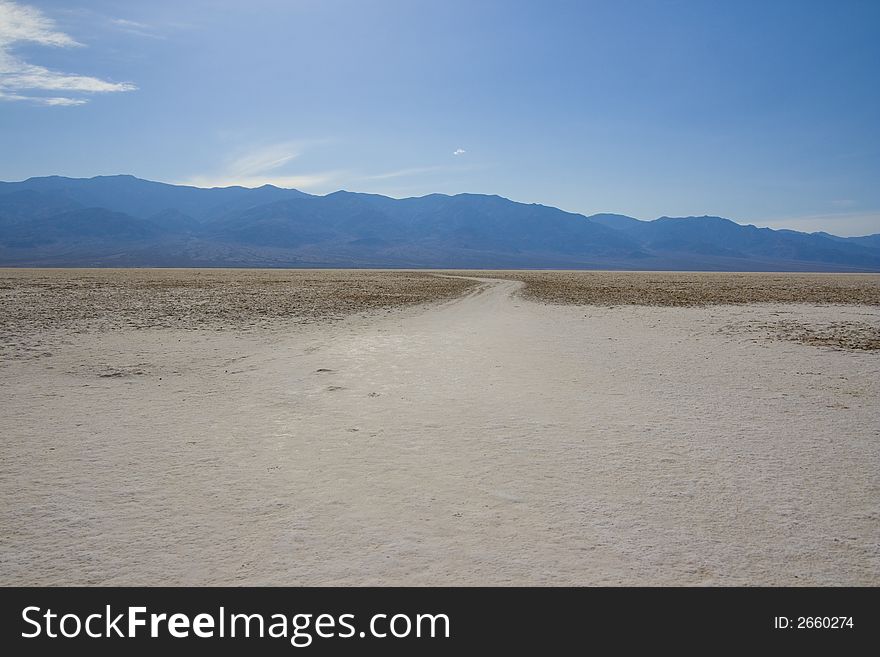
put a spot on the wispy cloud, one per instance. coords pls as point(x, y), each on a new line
point(265, 166)
point(19, 79)
point(42, 100)
point(125, 23)
point(402, 173)
point(23, 23)
point(267, 158)
point(135, 27)
point(281, 164)
point(459, 151)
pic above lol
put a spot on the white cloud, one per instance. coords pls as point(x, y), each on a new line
point(459, 151)
point(16, 74)
point(123, 22)
point(135, 27)
point(264, 166)
point(270, 164)
point(42, 100)
point(267, 158)
point(60, 101)
point(402, 173)
point(24, 24)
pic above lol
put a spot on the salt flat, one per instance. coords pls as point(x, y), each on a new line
point(486, 438)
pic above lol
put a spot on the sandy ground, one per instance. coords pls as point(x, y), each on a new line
point(489, 439)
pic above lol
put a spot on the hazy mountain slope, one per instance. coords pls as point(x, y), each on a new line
point(80, 226)
point(467, 221)
point(615, 221)
point(121, 220)
point(872, 241)
point(29, 205)
point(145, 198)
point(175, 222)
point(716, 236)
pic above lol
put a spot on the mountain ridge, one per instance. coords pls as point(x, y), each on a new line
point(126, 221)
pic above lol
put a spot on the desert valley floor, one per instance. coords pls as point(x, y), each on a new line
point(279, 428)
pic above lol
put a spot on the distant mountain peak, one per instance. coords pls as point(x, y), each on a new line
point(122, 219)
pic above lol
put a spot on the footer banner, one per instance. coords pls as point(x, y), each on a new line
point(430, 620)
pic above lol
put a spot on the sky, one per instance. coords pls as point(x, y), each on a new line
point(763, 112)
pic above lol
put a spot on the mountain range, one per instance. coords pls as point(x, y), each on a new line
point(125, 221)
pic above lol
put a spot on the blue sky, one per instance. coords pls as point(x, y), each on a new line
point(763, 112)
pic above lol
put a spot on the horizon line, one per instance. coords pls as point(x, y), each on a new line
point(404, 198)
